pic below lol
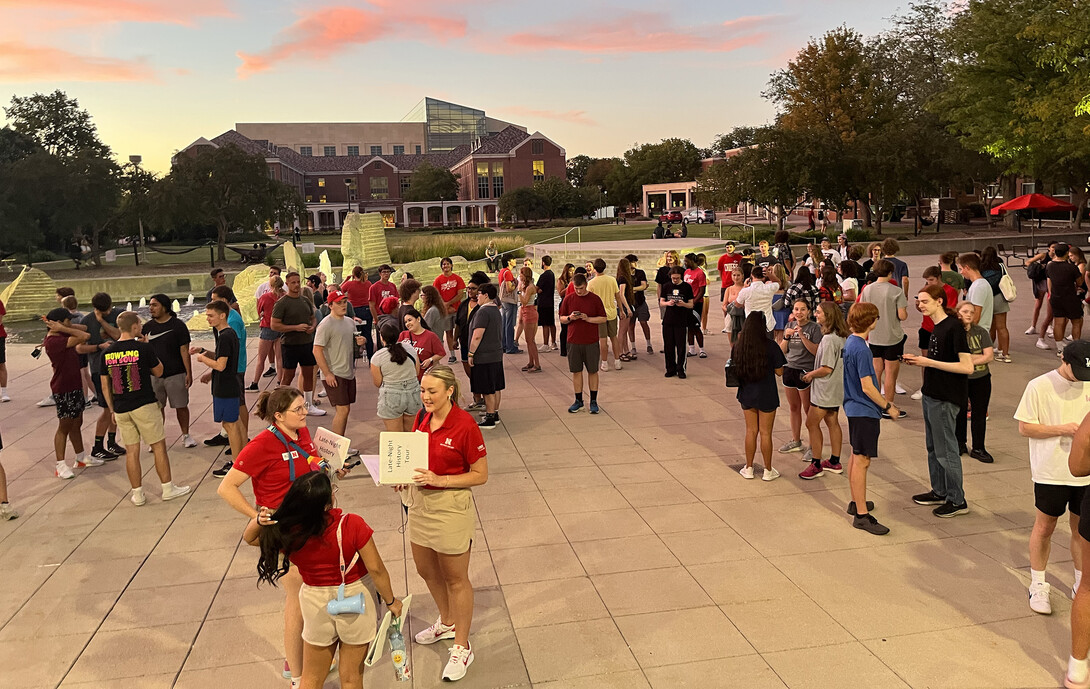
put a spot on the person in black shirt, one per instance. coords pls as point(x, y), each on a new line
point(226, 391)
point(546, 304)
point(1063, 284)
point(640, 311)
point(169, 337)
point(126, 374)
point(676, 300)
point(945, 390)
point(758, 360)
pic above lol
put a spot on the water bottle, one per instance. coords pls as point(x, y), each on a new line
point(397, 653)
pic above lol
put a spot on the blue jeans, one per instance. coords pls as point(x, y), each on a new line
point(509, 312)
point(943, 458)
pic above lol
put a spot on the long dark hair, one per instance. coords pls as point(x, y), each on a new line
point(431, 298)
point(750, 352)
point(804, 277)
point(300, 516)
point(389, 332)
point(989, 259)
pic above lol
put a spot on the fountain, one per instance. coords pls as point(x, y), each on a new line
point(189, 300)
point(128, 306)
point(143, 302)
point(175, 306)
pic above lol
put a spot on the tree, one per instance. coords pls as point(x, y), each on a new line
point(92, 191)
point(739, 137)
point(577, 169)
point(57, 123)
point(598, 174)
point(670, 160)
point(28, 202)
point(522, 203)
point(228, 188)
point(432, 183)
point(558, 198)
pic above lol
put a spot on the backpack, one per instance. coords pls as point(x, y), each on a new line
point(1036, 271)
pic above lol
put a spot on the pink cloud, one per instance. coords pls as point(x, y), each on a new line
point(640, 32)
point(323, 33)
point(20, 62)
point(84, 12)
point(572, 116)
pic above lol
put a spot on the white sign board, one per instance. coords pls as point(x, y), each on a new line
point(111, 255)
point(331, 447)
point(400, 455)
point(307, 248)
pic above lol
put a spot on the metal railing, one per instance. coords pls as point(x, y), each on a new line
point(578, 234)
point(752, 229)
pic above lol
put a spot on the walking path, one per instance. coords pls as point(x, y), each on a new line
point(620, 550)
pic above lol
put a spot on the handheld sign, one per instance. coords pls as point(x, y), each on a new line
point(333, 448)
point(400, 455)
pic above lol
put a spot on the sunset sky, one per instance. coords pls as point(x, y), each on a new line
point(595, 77)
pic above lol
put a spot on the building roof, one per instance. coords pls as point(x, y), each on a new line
point(501, 142)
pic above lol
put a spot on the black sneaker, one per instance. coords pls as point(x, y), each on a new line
point(981, 456)
point(681, 374)
point(116, 449)
point(928, 498)
point(487, 421)
point(270, 373)
point(901, 415)
point(252, 387)
point(670, 374)
point(869, 524)
point(222, 471)
point(949, 509)
point(103, 454)
point(217, 441)
point(851, 507)
point(963, 450)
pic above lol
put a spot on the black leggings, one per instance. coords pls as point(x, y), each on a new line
point(980, 392)
point(673, 344)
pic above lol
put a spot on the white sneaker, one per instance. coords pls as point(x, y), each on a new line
point(918, 395)
point(770, 475)
point(322, 393)
point(63, 471)
point(434, 633)
point(746, 472)
point(791, 446)
point(188, 441)
point(315, 411)
point(89, 461)
point(1069, 338)
point(605, 366)
point(1031, 330)
point(7, 512)
point(5, 397)
point(1042, 343)
point(460, 660)
point(617, 364)
point(1048, 332)
point(898, 389)
point(808, 456)
point(137, 498)
point(48, 401)
point(1038, 598)
point(173, 491)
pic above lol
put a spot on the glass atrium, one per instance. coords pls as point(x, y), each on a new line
point(447, 125)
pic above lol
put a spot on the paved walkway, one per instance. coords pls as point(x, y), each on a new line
point(618, 551)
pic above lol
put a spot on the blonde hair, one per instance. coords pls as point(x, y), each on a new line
point(673, 254)
point(779, 274)
point(445, 374)
point(126, 320)
point(276, 283)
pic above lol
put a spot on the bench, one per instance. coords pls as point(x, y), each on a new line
point(9, 263)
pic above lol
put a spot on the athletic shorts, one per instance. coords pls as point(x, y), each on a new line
point(343, 394)
point(1054, 499)
point(70, 405)
point(225, 409)
point(145, 423)
point(607, 329)
point(3, 350)
point(1069, 308)
point(642, 313)
point(792, 378)
point(889, 352)
point(269, 334)
point(487, 379)
point(297, 355)
point(925, 339)
point(863, 435)
point(171, 389)
point(96, 383)
point(581, 356)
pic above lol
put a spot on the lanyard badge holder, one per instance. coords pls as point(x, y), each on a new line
point(353, 605)
point(293, 446)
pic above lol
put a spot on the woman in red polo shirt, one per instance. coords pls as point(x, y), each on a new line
point(442, 516)
point(271, 462)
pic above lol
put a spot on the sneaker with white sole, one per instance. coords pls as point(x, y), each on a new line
point(1048, 331)
point(138, 498)
point(1031, 330)
point(1038, 598)
point(5, 397)
point(770, 475)
point(899, 389)
point(746, 472)
point(1042, 343)
point(436, 632)
point(918, 395)
point(189, 441)
point(791, 446)
point(47, 402)
point(172, 491)
point(63, 471)
point(7, 512)
point(808, 456)
point(90, 461)
point(460, 660)
point(617, 364)
point(315, 411)
point(604, 366)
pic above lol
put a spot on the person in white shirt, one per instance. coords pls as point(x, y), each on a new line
point(1051, 409)
point(758, 295)
point(274, 271)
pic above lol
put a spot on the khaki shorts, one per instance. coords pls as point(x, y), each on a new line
point(608, 329)
point(442, 520)
point(171, 389)
point(322, 629)
point(145, 423)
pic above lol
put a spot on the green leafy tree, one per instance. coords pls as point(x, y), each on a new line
point(670, 160)
point(577, 169)
point(432, 183)
point(522, 204)
point(57, 123)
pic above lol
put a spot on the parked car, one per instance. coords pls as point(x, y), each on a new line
point(671, 216)
point(699, 216)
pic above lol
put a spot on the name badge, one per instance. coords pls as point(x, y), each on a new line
point(287, 456)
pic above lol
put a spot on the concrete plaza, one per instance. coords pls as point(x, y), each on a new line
point(614, 551)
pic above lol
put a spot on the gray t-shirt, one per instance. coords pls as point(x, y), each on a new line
point(828, 391)
point(391, 372)
point(94, 329)
point(337, 336)
point(980, 294)
point(437, 323)
point(295, 311)
point(979, 340)
point(888, 298)
point(490, 349)
point(798, 356)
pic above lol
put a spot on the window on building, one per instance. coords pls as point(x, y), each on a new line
point(329, 150)
point(482, 180)
point(310, 199)
point(1060, 189)
point(497, 180)
point(353, 150)
point(399, 150)
point(377, 165)
point(321, 181)
point(309, 181)
point(417, 150)
point(993, 190)
point(539, 170)
point(380, 187)
point(406, 182)
point(376, 150)
point(970, 189)
point(322, 199)
point(537, 147)
point(306, 151)
point(1029, 187)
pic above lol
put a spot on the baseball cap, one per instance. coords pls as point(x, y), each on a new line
point(1077, 354)
point(335, 295)
point(58, 315)
point(388, 305)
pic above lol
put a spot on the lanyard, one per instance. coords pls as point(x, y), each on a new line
point(290, 445)
point(340, 552)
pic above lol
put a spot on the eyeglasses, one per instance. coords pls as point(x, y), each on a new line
point(300, 409)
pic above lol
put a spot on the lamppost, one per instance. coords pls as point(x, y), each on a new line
point(136, 160)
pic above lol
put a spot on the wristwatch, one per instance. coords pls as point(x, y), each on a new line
point(888, 405)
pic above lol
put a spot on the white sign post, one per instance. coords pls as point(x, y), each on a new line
point(307, 248)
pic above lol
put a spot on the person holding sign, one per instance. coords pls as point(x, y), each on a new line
point(308, 533)
point(442, 515)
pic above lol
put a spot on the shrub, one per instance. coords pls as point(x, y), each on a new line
point(335, 257)
point(860, 235)
point(468, 246)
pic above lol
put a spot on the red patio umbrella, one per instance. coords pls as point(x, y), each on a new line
point(1034, 202)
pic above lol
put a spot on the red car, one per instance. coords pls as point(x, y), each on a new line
point(671, 216)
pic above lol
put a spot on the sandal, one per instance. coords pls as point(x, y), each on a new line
point(624, 357)
point(536, 369)
point(526, 368)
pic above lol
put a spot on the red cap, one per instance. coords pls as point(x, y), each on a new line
point(335, 296)
point(388, 305)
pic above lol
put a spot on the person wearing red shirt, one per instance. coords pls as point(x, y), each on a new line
point(698, 281)
point(271, 461)
point(268, 347)
point(726, 265)
point(452, 289)
point(382, 290)
point(932, 275)
point(358, 289)
point(442, 515)
point(428, 346)
point(67, 388)
point(341, 552)
point(582, 311)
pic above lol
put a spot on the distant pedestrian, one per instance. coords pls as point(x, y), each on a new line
point(67, 388)
point(1063, 279)
point(758, 360)
point(507, 290)
point(609, 292)
point(294, 316)
point(640, 312)
point(452, 290)
point(546, 304)
point(268, 348)
point(800, 343)
point(826, 392)
point(334, 340)
point(676, 298)
point(584, 314)
point(980, 387)
point(169, 338)
point(887, 339)
point(486, 354)
point(698, 281)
